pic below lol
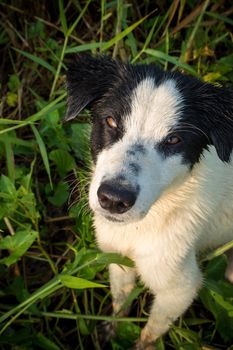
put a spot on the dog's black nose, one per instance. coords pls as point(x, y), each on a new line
point(115, 198)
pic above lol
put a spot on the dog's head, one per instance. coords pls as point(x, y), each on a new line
point(149, 130)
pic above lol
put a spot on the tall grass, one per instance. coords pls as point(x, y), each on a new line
point(54, 288)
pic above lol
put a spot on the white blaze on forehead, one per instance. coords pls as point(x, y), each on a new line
point(155, 110)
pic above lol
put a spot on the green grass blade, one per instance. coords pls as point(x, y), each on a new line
point(43, 152)
point(9, 157)
point(26, 304)
point(70, 30)
point(46, 289)
point(37, 60)
point(68, 33)
point(35, 117)
point(6, 121)
point(218, 251)
point(167, 58)
point(84, 47)
point(113, 258)
point(121, 35)
point(195, 29)
point(148, 39)
point(102, 19)
point(62, 17)
point(78, 283)
point(118, 25)
point(73, 316)
point(220, 17)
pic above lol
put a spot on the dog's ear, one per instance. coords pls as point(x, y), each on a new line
point(220, 119)
point(88, 79)
point(222, 140)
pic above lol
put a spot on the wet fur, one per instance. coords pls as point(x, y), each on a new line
point(184, 194)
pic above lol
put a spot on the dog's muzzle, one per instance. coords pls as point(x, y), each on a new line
point(116, 198)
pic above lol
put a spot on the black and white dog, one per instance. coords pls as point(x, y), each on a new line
point(162, 184)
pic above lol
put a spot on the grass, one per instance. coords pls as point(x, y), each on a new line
point(54, 287)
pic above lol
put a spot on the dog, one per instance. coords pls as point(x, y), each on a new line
point(162, 183)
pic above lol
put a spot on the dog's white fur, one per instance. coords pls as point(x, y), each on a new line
point(155, 111)
point(178, 212)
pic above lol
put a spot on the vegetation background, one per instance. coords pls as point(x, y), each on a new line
point(54, 288)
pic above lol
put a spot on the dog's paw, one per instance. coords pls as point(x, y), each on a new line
point(106, 331)
point(229, 275)
point(140, 345)
point(229, 270)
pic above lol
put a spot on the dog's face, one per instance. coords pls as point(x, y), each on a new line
point(141, 153)
point(150, 128)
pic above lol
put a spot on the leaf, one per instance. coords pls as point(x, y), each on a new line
point(160, 344)
point(221, 309)
point(17, 245)
point(224, 316)
point(78, 283)
point(7, 186)
point(43, 152)
point(13, 83)
point(11, 99)
point(212, 285)
point(36, 29)
point(63, 160)
point(45, 343)
point(212, 76)
point(127, 333)
point(113, 258)
point(226, 289)
point(134, 294)
point(83, 257)
point(79, 140)
point(89, 272)
point(18, 337)
point(216, 268)
point(28, 201)
point(186, 334)
point(61, 194)
point(89, 258)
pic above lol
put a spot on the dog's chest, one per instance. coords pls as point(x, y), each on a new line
point(123, 239)
point(156, 254)
point(146, 240)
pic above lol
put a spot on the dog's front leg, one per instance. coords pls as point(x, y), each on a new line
point(122, 281)
point(170, 302)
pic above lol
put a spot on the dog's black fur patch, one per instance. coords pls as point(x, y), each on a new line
point(106, 86)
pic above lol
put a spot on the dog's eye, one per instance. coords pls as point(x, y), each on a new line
point(173, 140)
point(111, 122)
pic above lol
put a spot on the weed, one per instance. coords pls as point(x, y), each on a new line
point(53, 281)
